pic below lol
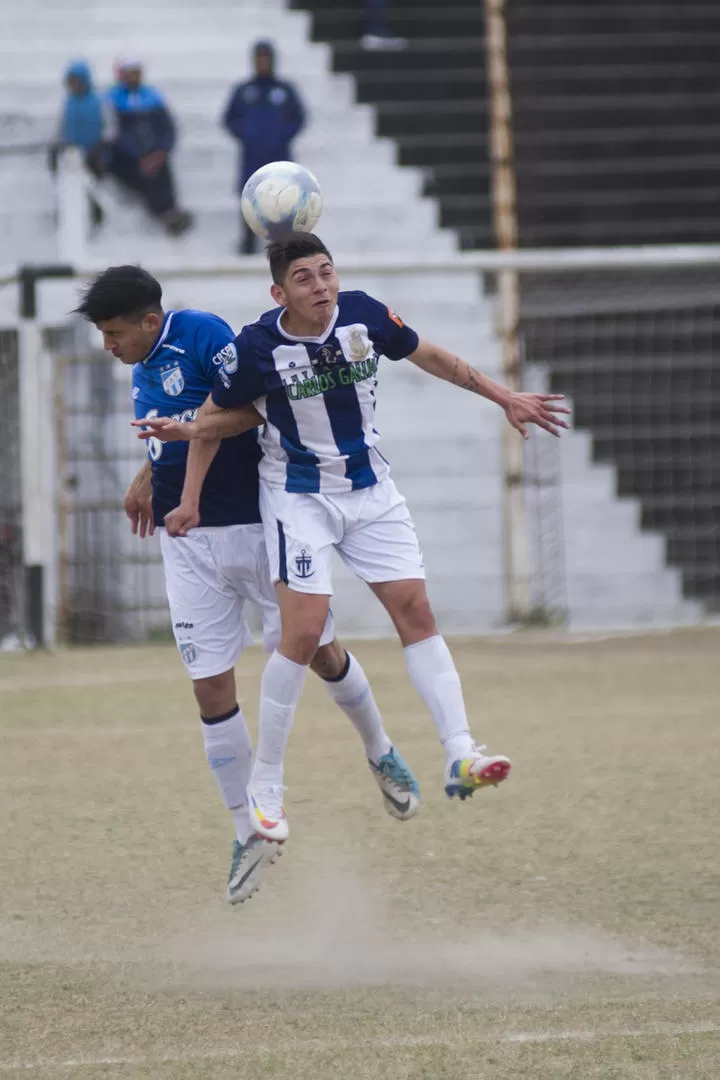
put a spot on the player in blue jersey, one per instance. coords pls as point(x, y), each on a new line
point(310, 369)
point(210, 574)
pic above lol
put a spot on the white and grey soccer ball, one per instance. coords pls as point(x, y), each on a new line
point(281, 198)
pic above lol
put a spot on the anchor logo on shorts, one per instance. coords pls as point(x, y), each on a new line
point(303, 562)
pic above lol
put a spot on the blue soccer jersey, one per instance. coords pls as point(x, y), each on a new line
point(317, 395)
point(174, 380)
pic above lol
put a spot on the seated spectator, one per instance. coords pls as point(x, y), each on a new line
point(82, 124)
point(140, 150)
point(378, 34)
point(264, 114)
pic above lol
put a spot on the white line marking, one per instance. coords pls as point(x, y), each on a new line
point(508, 1039)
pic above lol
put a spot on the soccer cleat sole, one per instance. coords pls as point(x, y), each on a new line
point(491, 776)
point(242, 899)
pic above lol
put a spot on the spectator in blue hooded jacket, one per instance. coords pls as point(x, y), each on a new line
point(82, 124)
point(82, 119)
point(141, 148)
point(264, 115)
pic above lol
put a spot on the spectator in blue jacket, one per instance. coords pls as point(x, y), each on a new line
point(264, 115)
point(143, 142)
point(81, 120)
point(82, 123)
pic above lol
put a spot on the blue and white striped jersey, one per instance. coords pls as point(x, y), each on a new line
point(174, 380)
point(316, 395)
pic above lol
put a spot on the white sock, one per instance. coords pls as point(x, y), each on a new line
point(434, 676)
point(280, 690)
point(229, 753)
point(352, 693)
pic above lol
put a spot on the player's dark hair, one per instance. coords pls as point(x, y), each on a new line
point(281, 253)
point(126, 292)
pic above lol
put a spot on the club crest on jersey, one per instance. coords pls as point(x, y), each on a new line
point(303, 562)
point(172, 379)
point(188, 652)
point(328, 354)
point(358, 345)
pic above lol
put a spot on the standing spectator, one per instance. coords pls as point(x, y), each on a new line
point(81, 125)
point(378, 34)
point(264, 115)
point(144, 139)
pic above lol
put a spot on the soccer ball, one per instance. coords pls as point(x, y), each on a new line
point(281, 198)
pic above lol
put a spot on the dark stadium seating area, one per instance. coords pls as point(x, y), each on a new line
point(616, 112)
point(431, 98)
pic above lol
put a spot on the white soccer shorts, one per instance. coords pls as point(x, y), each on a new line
point(209, 576)
point(371, 529)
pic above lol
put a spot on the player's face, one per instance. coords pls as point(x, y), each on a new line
point(309, 291)
point(131, 77)
point(130, 341)
point(263, 64)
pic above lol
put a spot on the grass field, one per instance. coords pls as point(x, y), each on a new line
point(565, 925)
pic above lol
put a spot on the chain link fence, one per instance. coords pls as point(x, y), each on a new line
point(110, 582)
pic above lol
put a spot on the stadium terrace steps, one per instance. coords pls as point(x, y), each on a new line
point(647, 385)
point(630, 84)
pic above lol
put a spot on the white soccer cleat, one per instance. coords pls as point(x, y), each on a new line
point(400, 790)
point(267, 813)
point(248, 862)
point(469, 774)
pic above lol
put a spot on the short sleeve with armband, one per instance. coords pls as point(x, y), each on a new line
point(388, 332)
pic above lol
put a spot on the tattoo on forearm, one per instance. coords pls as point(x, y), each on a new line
point(466, 379)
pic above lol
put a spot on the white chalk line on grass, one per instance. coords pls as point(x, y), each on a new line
point(517, 1038)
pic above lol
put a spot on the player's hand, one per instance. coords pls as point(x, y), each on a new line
point(182, 519)
point(540, 409)
point(164, 429)
point(138, 507)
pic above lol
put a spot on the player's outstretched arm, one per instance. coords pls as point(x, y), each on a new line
point(137, 503)
point(202, 450)
point(520, 409)
point(212, 423)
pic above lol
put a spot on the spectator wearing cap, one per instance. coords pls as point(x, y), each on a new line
point(141, 148)
point(264, 114)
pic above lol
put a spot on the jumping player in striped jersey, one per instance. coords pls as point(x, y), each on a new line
point(309, 371)
point(211, 574)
